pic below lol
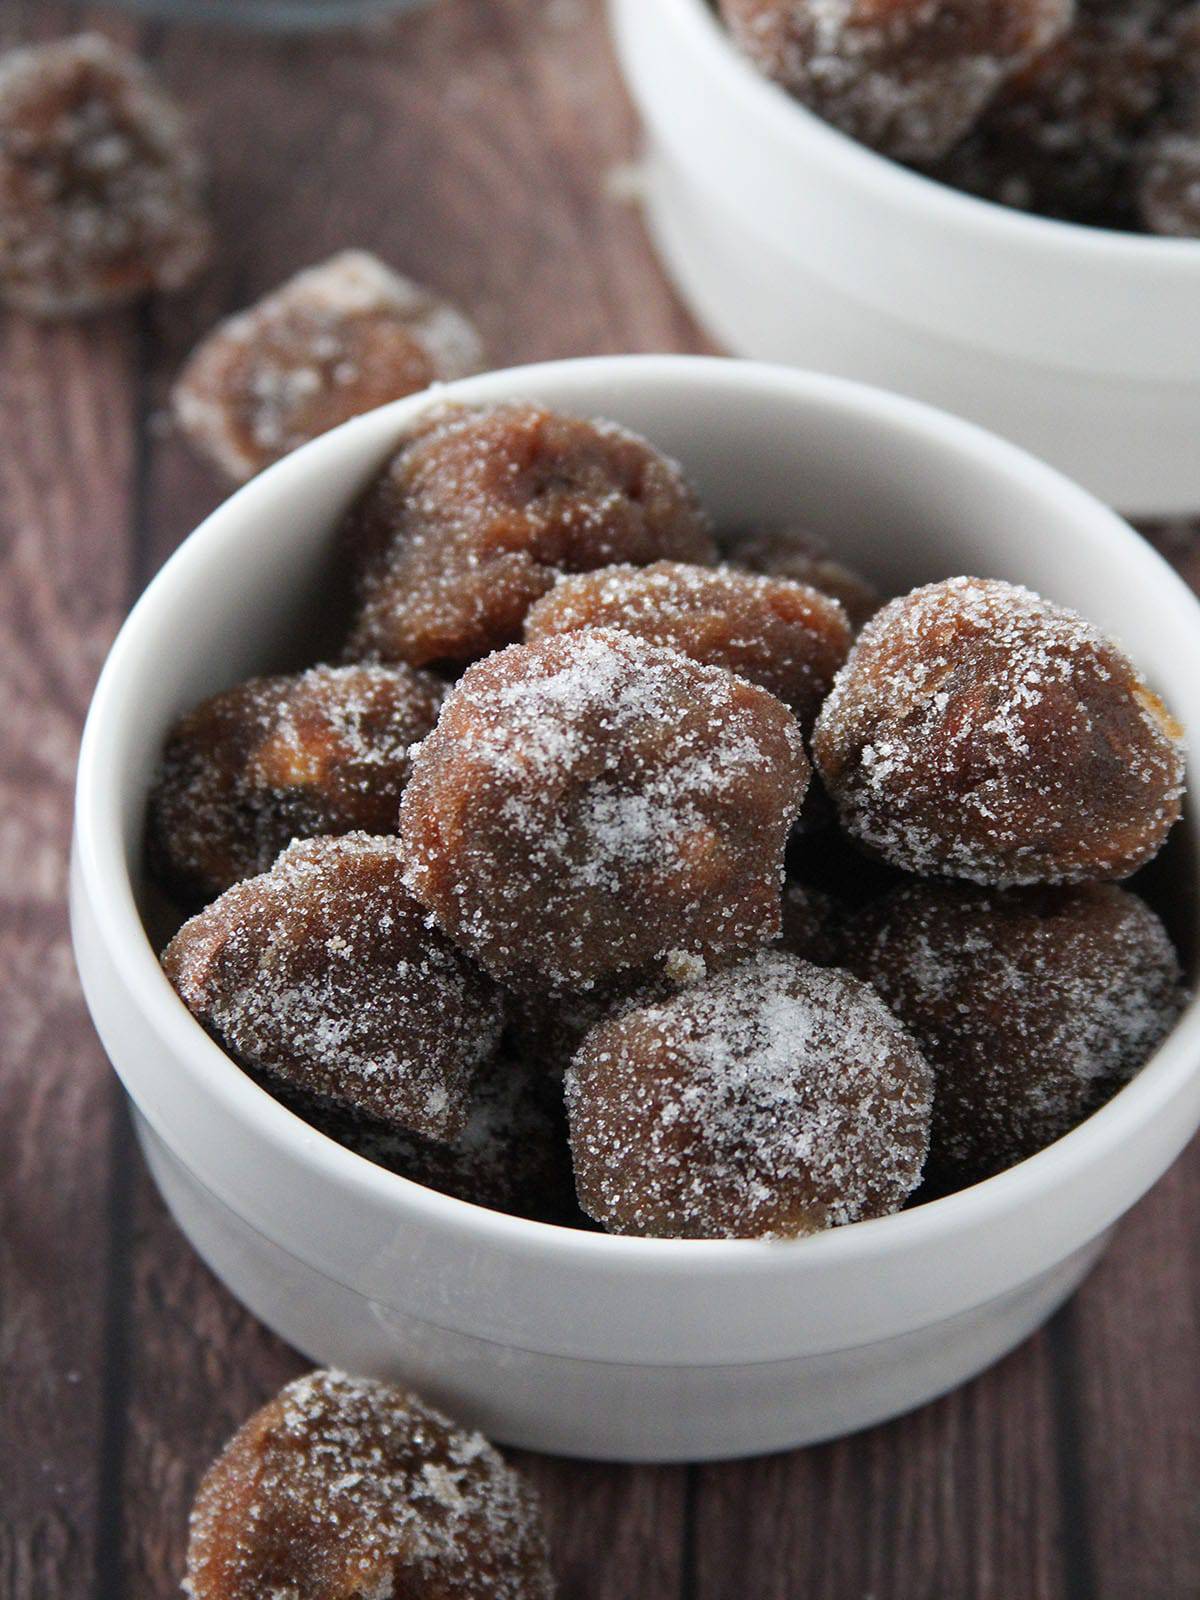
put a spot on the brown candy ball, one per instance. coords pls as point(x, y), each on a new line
point(1063, 136)
point(100, 188)
point(907, 77)
point(776, 633)
point(796, 554)
point(1032, 1006)
point(334, 341)
point(512, 1154)
point(978, 731)
point(592, 803)
point(325, 751)
point(347, 1489)
point(322, 973)
point(776, 1098)
point(477, 515)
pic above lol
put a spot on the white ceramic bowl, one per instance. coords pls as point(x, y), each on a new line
point(568, 1341)
point(794, 243)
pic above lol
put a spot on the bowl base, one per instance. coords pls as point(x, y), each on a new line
point(593, 1409)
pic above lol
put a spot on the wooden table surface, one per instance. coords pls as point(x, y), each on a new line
point(476, 147)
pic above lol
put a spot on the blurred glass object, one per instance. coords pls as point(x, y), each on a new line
point(282, 14)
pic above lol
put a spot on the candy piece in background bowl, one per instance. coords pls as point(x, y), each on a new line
point(794, 242)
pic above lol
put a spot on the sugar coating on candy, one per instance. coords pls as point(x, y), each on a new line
point(348, 1487)
point(478, 514)
point(511, 1155)
point(978, 731)
point(250, 769)
point(101, 190)
point(1062, 138)
point(788, 638)
point(334, 341)
point(773, 1099)
point(592, 803)
point(1032, 1006)
point(323, 973)
point(1168, 179)
point(797, 554)
point(907, 77)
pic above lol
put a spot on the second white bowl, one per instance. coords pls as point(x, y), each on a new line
point(793, 243)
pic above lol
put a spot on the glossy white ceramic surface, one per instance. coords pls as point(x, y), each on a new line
point(793, 243)
point(572, 1341)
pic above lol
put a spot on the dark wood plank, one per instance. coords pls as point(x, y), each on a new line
point(1137, 1448)
point(66, 472)
point(471, 146)
point(67, 450)
point(959, 1499)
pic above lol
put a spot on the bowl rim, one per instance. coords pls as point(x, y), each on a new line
point(109, 885)
point(934, 204)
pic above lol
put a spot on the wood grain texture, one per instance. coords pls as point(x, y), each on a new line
point(67, 453)
point(68, 484)
point(472, 146)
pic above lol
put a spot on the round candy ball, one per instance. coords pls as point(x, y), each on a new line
point(322, 973)
point(773, 1099)
point(275, 759)
point(101, 188)
point(782, 635)
point(592, 803)
point(978, 731)
point(1032, 1006)
point(480, 512)
point(338, 339)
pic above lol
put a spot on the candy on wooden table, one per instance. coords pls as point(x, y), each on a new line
point(346, 1488)
point(101, 189)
